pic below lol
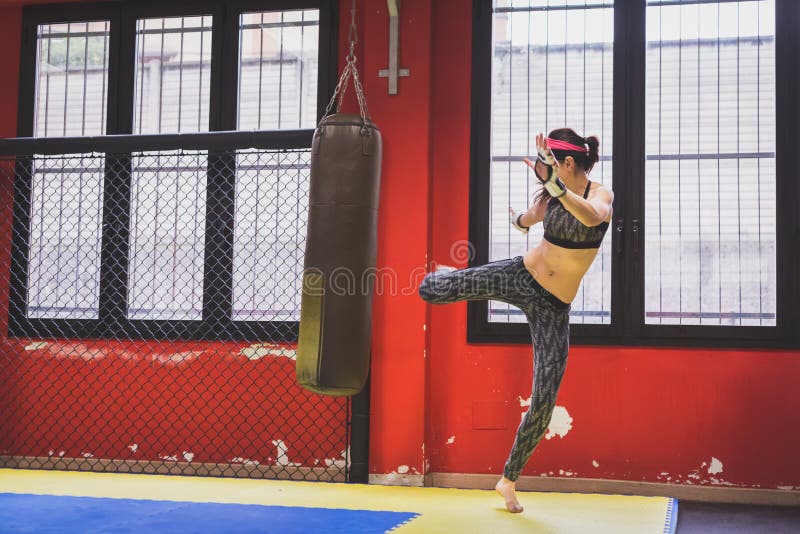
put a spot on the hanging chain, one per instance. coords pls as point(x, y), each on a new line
point(349, 70)
point(353, 36)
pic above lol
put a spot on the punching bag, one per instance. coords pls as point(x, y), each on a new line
point(333, 352)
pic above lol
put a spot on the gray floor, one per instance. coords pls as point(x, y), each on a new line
point(712, 518)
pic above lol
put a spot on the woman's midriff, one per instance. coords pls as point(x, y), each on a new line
point(559, 270)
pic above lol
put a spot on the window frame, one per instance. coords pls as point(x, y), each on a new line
point(627, 326)
point(112, 321)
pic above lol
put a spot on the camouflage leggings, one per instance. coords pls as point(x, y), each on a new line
point(548, 318)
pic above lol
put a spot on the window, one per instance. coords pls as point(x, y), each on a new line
point(71, 78)
point(173, 72)
point(278, 62)
point(710, 173)
point(552, 65)
point(278, 87)
point(165, 235)
point(687, 101)
point(64, 264)
point(270, 234)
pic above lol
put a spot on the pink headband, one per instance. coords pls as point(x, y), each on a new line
point(557, 144)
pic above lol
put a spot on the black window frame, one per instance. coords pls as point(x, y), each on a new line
point(118, 143)
point(627, 326)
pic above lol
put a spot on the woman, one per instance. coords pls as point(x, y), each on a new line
point(576, 213)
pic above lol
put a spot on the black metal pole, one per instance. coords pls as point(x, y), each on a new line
point(359, 436)
point(284, 140)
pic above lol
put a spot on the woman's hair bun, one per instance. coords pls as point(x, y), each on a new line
point(594, 149)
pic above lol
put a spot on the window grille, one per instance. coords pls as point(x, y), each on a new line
point(278, 63)
point(710, 180)
point(552, 67)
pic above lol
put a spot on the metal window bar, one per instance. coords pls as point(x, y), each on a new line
point(213, 397)
point(666, 3)
point(552, 7)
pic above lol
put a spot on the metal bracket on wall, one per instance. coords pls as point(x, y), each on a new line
point(393, 72)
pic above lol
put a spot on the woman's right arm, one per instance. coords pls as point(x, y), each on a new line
point(534, 214)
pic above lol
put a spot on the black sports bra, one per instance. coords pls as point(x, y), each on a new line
point(563, 229)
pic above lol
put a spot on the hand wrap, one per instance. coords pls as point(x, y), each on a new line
point(552, 184)
point(515, 221)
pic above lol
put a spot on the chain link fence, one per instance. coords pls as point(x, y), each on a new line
point(151, 301)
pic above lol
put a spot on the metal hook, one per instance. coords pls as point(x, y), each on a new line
point(394, 71)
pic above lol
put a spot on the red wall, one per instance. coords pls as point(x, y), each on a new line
point(10, 31)
point(204, 402)
point(398, 403)
point(641, 414)
point(648, 414)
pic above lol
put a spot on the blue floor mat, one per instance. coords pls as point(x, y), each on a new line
point(52, 513)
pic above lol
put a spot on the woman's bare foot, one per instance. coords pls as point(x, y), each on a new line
point(506, 489)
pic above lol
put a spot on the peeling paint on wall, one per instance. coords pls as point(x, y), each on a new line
point(261, 350)
point(715, 467)
point(283, 456)
point(337, 462)
point(133, 447)
point(77, 351)
point(560, 423)
point(188, 456)
point(595, 463)
point(177, 358)
point(451, 440)
point(402, 469)
point(36, 345)
point(718, 482)
point(245, 461)
point(395, 479)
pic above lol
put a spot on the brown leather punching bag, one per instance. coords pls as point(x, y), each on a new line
point(333, 352)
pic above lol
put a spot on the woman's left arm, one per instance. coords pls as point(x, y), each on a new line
point(592, 211)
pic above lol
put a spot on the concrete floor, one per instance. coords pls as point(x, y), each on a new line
point(713, 518)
